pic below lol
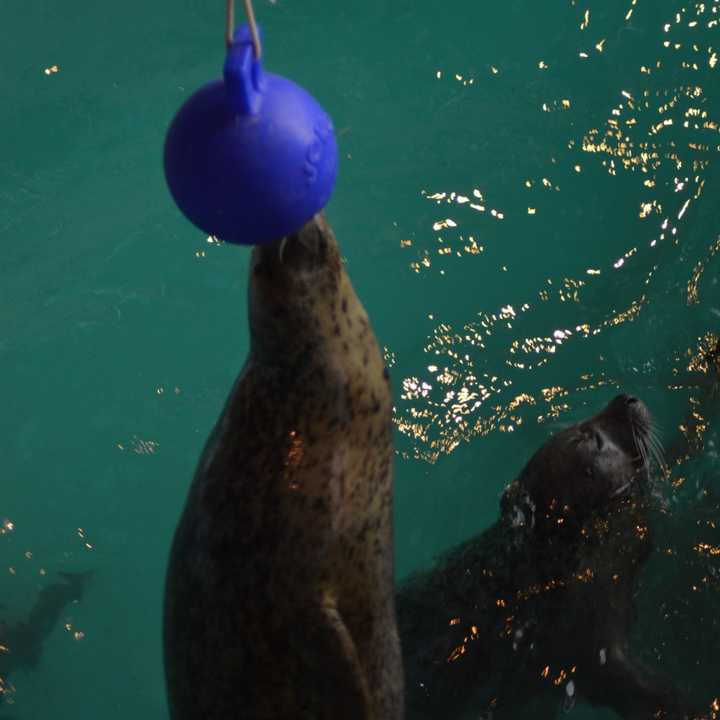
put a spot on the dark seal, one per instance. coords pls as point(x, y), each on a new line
point(537, 610)
point(279, 601)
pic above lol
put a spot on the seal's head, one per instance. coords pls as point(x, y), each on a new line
point(587, 467)
point(295, 283)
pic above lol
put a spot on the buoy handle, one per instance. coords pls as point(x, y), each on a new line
point(243, 74)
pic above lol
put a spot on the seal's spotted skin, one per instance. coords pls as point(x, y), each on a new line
point(537, 611)
point(279, 600)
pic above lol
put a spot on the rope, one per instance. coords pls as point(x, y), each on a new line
point(230, 25)
point(229, 22)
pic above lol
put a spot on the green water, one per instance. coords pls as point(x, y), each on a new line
point(122, 328)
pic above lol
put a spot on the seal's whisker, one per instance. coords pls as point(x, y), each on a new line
point(653, 451)
point(647, 439)
point(656, 434)
point(620, 490)
point(656, 456)
point(657, 453)
point(660, 451)
point(656, 447)
point(643, 454)
point(640, 440)
point(281, 249)
point(656, 437)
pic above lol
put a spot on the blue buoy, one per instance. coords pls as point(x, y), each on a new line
point(252, 157)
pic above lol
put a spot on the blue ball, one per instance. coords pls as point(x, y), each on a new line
point(250, 158)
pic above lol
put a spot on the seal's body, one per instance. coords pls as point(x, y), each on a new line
point(538, 610)
point(279, 598)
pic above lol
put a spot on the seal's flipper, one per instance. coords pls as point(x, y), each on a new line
point(336, 664)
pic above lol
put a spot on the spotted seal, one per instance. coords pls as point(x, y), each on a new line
point(279, 600)
point(537, 610)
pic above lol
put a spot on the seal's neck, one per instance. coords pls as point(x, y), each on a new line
point(292, 323)
point(297, 291)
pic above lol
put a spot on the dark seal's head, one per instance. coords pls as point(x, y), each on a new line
point(295, 284)
point(585, 468)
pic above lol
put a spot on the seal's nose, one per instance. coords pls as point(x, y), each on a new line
point(627, 403)
point(634, 407)
point(308, 247)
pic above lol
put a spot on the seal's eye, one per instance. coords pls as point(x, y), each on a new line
point(599, 442)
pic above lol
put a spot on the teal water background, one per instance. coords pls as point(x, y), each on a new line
point(528, 205)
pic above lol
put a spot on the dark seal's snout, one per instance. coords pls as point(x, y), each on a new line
point(630, 408)
point(638, 411)
point(628, 419)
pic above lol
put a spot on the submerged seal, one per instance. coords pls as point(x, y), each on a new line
point(538, 609)
point(22, 642)
point(279, 601)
